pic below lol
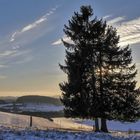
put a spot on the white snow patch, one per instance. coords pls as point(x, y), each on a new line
point(33, 107)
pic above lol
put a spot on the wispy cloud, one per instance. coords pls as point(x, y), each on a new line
point(12, 47)
point(59, 41)
point(116, 21)
point(129, 31)
point(13, 37)
point(8, 53)
point(32, 26)
point(106, 17)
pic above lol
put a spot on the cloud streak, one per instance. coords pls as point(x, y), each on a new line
point(8, 53)
point(116, 21)
point(129, 31)
point(33, 25)
point(106, 17)
point(59, 41)
point(12, 47)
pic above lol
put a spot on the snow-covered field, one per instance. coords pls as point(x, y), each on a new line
point(9, 119)
point(16, 127)
point(10, 134)
point(16, 120)
point(33, 107)
point(87, 124)
point(22, 121)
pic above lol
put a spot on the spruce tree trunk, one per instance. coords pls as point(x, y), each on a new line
point(96, 125)
point(103, 125)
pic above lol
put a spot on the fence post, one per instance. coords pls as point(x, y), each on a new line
point(31, 121)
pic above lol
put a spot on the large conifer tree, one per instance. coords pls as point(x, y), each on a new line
point(100, 74)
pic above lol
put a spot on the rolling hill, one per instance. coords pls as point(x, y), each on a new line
point(39, 99)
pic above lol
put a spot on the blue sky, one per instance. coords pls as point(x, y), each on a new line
point(30, 46)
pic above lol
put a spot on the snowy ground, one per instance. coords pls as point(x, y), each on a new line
point(87, 124)
point(10, 134)
point(9, 119)
point(33, 107)
point(22, 121)
point(73, 123)
point(16, 120)
point(16, 127)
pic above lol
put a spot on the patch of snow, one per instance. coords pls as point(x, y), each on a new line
point(72, 123)
point(9, 134)
point(116, 125)
point(32, 107)
point(6, 104)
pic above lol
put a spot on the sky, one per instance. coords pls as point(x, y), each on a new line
point(30, 40)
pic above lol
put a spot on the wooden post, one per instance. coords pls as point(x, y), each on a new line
point(31, 121)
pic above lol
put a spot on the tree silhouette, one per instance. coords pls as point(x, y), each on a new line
point(100, 73)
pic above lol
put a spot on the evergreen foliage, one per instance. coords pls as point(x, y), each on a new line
point(100, 74)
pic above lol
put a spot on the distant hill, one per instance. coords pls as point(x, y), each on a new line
point(38, 99)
